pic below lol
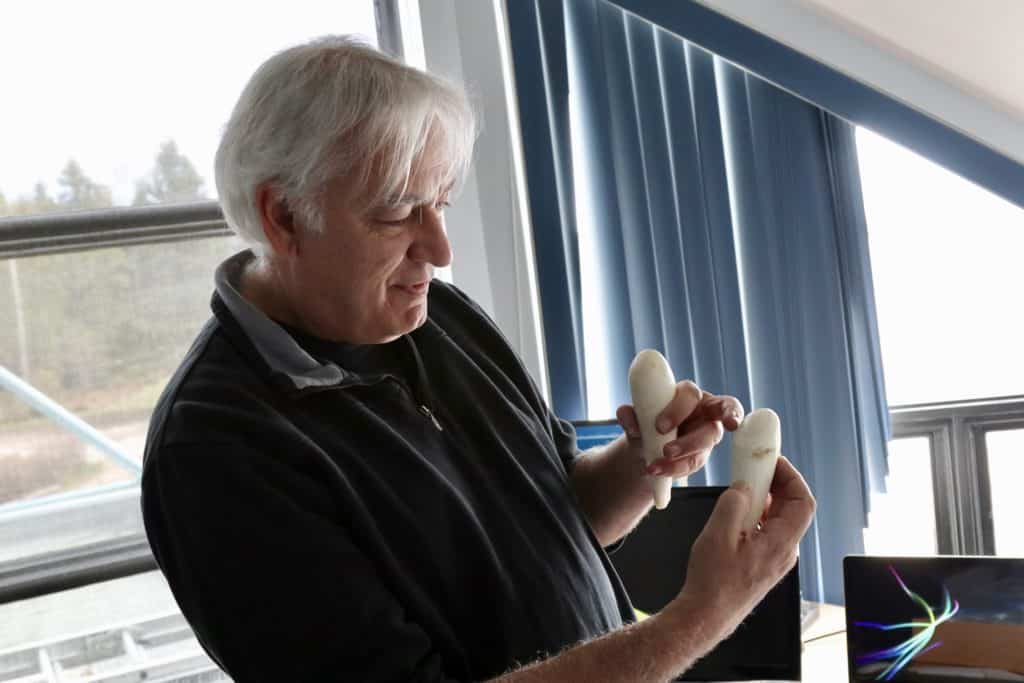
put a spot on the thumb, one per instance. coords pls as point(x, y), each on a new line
point(626, 417)
point(730, 511)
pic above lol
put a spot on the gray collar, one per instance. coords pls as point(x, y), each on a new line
point(281, 353)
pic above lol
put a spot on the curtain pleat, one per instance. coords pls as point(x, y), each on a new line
point(868, 383)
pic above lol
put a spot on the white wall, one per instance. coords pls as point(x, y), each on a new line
point(488, 224)
point(951, 59)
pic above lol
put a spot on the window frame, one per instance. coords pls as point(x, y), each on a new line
point(960, 478)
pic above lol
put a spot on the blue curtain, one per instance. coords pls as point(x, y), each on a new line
point(728, 219)
point(811, 337)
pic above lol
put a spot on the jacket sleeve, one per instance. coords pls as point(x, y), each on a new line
point(272, 584)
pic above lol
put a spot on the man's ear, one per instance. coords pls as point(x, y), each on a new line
point(279, 225)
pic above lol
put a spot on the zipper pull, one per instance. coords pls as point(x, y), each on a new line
point(433, 418)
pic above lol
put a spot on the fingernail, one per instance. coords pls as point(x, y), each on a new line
point(655, 470)
point(664, 424)
point(741, 485)
point(672, 450)
point(736, 416)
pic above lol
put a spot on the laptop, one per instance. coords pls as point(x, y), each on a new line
point(652, 564)
point(938, 619)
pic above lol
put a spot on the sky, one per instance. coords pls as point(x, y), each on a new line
point(106, 82)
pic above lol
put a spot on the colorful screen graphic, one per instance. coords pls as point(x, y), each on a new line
point(935, 619)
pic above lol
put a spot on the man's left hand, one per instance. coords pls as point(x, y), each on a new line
point(699, 419)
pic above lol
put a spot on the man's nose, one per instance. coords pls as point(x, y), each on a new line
point(431, 242)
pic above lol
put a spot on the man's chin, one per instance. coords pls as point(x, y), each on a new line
point(412, 319)
point(421, 317)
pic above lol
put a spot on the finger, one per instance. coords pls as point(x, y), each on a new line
point(787, 482)
point(627, 420)
point(682, 466)
point(767, 507)
point(726, 519)
point(703, 438)
point(686, 399)
point(727, 409)
point(793, 505)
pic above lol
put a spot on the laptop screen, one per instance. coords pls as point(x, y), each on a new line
point(934, 618)
point(652, 564)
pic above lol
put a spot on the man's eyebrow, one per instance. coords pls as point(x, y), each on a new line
point(410, 198)
point(413, 198)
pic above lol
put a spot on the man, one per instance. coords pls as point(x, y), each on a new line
point(352, 476)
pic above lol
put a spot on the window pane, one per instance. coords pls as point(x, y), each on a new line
point(130, 110)
point(124, 630)
point(93, 339)
point(1006, 471)
point(943, 252)
point(902, 520)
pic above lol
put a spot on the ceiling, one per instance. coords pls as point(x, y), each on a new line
point(970, 44)
point(951, 59)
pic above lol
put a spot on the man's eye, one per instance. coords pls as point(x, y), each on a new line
point(394, 216)
point(404, 214)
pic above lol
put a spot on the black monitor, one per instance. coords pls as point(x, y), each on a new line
point(652, 564)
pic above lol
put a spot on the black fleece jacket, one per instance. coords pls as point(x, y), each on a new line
point(411, 521)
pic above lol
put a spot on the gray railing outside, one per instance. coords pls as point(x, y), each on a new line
point(93, 229)
point(66, 419)
point(66, 539)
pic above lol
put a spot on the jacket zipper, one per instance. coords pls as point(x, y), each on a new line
point(421, 407)
point(433, 418)
point(421, 390)
point(420, 399)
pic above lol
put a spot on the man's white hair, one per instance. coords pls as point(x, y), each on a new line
point(336, 107)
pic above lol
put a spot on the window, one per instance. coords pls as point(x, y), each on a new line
point(122, 107)
point(118, 108)
point(945, 258)
point(1005, 450)
point(902, 521)
point(945, 254)
point(96, 335)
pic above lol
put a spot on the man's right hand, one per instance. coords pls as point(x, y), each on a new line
point(731, 569)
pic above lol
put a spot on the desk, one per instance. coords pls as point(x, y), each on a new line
point(824, 660)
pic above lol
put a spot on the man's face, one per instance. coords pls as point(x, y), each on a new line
point(364, 279)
